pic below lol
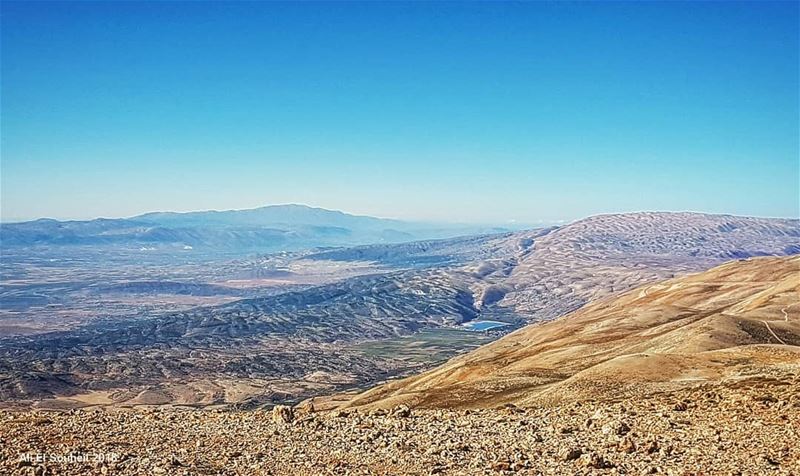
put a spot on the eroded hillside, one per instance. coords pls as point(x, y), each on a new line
point(737, 321)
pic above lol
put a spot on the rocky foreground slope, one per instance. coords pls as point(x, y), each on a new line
point(749, 427)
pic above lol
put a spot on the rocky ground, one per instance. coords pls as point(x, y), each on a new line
point(750, 428)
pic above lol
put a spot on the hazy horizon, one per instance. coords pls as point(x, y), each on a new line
point(511, 223)
point(555, 111)
point(312, 206)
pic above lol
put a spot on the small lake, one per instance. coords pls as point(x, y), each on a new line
point(483, 325)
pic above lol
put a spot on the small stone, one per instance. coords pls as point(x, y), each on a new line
point(401, 411)
point(510, 408)
point(282, 414)
point(766, 399)
point(651, 447)
point(616, 428)
point(627, 445)
point(593, 460)
point(569, 454)
point(501, 466)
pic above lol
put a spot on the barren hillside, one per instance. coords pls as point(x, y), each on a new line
point(543, 276)
point(735, 321)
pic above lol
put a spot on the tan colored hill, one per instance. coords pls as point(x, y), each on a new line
point(735, 322)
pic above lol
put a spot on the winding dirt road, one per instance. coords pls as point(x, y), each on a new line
point(773, 333)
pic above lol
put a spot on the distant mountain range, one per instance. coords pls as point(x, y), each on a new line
point(269, 228)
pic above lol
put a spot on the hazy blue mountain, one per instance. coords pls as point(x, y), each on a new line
point(270, 228)
point(273, 216)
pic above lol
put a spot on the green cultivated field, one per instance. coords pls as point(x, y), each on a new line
point(426, 346)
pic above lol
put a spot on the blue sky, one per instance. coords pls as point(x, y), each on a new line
point(479, 112)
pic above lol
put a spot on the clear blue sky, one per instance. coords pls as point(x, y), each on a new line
point(462, 112)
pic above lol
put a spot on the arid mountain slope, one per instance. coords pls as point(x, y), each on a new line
point(543, 276)
point(736, 321)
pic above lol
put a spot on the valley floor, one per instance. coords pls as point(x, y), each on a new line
point(749, 428)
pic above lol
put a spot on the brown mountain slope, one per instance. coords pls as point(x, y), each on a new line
point(734, 322)
point(548, 275)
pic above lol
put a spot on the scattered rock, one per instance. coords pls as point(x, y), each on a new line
point(282, 414)
point(766, 399)
point(569, 454)
point(501, 466)
point(510, 408)
point(618, 428)
point(593, 460)
point(723, 438)
point(627, 445)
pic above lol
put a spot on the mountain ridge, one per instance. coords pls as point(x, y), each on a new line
point(268, 228)
point(693, 329)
